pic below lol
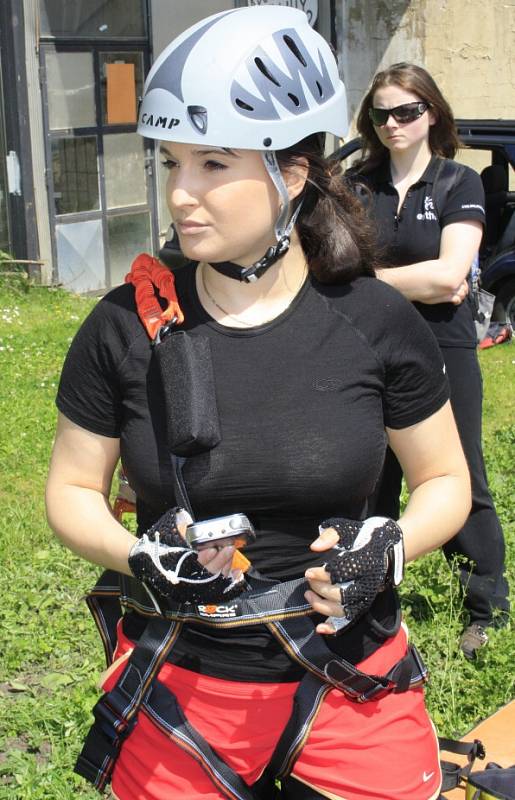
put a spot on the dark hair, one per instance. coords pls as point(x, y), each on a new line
point(334, 232)
point(443, 136)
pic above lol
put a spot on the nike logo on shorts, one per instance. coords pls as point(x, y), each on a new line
point(426, 776)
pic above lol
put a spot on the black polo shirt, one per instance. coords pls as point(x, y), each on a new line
point(413, 235)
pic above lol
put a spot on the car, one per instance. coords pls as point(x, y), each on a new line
point(496, 138)
point(490, 146)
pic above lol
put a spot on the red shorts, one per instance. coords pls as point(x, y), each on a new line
point(381, 750)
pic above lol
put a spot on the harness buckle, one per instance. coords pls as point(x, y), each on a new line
point(103, 742)
point(112, 723)
point(478, 750)
point(114, 712)
point(355, 684)
point(420, 666)
point(409, 672)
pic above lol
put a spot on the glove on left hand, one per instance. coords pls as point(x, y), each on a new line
point(369, 555)
point(163, 561)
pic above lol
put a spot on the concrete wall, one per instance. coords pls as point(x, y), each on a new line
point(171, 19)
point(470, 51)
point(467, 45)
point(372, 34)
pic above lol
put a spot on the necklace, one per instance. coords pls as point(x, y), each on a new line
point(237, 318)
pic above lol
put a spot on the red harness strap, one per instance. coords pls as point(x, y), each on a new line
point(147, 274)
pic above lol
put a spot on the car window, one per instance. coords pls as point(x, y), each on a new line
point(352, 159)
point(477, 159)
point(511, 153)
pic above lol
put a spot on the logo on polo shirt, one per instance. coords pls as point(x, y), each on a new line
point(429, 210)
point(472, 205)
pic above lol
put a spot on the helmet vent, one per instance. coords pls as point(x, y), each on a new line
point(295, 50)
point(198, 118)
point(265, 71)
point(243, 104)
point(284, 78)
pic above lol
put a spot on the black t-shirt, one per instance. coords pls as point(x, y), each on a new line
point(303, 402)
point(413, 235)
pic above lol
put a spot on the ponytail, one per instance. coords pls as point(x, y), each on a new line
point(333, 228)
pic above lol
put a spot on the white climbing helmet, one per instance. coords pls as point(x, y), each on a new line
point(256, 78)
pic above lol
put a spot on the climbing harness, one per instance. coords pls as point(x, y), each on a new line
point(280, 606)
point(285, 612)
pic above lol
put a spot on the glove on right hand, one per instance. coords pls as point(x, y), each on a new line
point(163, 561)
point(370, 554)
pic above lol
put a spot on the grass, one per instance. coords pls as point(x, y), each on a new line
point(51, 657)
point(460, 692)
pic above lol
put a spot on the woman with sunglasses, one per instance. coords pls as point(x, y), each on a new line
point(305, 386)
point(428, 247)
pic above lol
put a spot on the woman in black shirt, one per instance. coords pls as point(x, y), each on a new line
point(305, 388)
point(429, 239)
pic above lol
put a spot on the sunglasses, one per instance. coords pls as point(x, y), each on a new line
point(407, 112)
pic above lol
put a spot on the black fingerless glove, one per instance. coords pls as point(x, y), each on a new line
point(163, 561)
point(368, 557)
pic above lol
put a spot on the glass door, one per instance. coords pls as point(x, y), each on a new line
point(5, 239)
point(100, 172)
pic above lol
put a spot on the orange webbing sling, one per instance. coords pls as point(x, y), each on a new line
point(148, 274)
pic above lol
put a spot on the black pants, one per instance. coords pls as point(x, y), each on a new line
point(481, 540)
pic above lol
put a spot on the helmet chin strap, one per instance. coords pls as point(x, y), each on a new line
point(282, 231)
